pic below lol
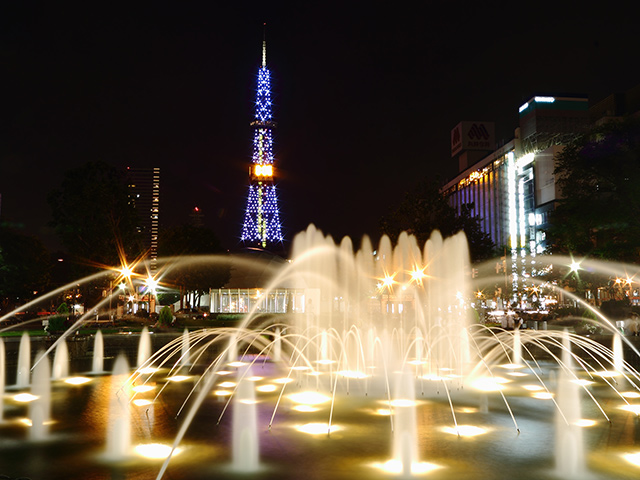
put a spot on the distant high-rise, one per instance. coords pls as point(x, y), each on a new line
point(144, 195)
point(262, 218)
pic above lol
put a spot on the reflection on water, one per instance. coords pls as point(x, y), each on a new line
point(482, 446)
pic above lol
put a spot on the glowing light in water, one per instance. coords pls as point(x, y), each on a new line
point(179, 378)
point(383, 411)
point(254, 379)
point(464, 430)
point(143, 388)
point(155, 450)
point(608, 373)
point(283, 381)
point(631, 408)
point(147, 370)
point(489, 384)
point(140, 402)
point(630, 394)
point(227, 385)
point(309, 398)
point(222, 393)
point(582, 383)
point(267, 388)
point(395, 467)
point(24, 397)
point(542, 395)
point(237, 364)
point(305, 408)
point(223, 372)
point(533, 388)
point(517, 374)
point(585, 422)
point(325, 362)
point(511, 366)
point(77, 380)
point(318, 428)
point(633, 458)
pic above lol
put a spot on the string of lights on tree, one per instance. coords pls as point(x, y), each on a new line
point(262, 218)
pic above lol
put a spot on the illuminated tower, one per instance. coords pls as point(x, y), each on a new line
point(262, 220)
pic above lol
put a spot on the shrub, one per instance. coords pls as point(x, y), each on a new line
point(57, 324)
point(166, 317)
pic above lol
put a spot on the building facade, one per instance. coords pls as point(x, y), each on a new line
point(513, 188)
point(144, 195)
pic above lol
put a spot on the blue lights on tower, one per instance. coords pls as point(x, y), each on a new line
point(262, 218)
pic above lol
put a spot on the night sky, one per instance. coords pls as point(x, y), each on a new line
point(365, 94)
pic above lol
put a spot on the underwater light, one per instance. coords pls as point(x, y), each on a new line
point(309, 398)
point(143, 388)
point(511, 366)
point(254, 379)
point(585, 422)
point(489, 384)
point(630, 394)
point(227, 385)
point(25, 397)
point(582, 382)
point(141, 402)
point(542, 395)
point(517, 374)
point(222, 393)
point(318, 428)
point(237, 364)
point(395, 467)
point(267, 388)
point(607, 373)
point(77, 380)
point(179, 378)
point(283, 380)
point(155, 450)
point(383, 411)
point(325, 362)
point(305, 408)
point(464, 430)
point(533, 388)
point(633, 458)
point(223, 372)
point(147, 370)
point(631, 408)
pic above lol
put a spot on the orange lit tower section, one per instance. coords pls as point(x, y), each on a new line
point(262, 219)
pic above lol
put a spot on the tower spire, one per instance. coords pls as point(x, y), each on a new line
point(264, 45)
point(262, 218)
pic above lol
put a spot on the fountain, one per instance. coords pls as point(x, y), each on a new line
point(24, 361)
point(97, 365)
point(385, 374)
point(245, 448)
point(61, 362)
point(569, 450)
point(40, 407)
point(119, 426)
point(144, 347)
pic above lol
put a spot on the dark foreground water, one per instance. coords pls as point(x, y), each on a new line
point(75, 447)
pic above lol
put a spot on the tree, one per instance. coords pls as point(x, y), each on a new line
point(599, 177)
point(94, 218)
point(25, 265)
point(425, 209)
point(193, 278)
